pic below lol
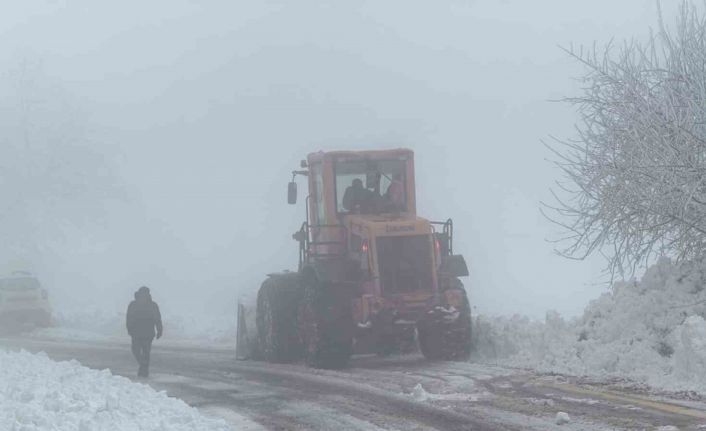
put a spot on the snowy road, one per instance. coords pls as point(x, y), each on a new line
point(396, 393)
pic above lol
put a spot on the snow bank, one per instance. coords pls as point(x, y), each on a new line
point(651, 331)
point(39, 394)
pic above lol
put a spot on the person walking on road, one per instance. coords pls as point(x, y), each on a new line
point(142, 319)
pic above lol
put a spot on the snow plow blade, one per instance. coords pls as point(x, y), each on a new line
point(243, 348)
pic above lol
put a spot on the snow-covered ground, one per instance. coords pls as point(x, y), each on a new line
point(39, 394)
point(651, 331)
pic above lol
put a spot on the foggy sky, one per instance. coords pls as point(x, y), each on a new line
point(194, 114)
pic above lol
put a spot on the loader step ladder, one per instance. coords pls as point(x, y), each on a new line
point(327, 248)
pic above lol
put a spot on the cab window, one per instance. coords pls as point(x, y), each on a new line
point(370, 187)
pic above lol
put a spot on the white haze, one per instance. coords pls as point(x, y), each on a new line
point(175, 124)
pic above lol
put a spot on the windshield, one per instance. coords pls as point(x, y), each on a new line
point(370, 186)
point(18, 283)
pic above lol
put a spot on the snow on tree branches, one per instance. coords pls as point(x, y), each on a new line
point(634, 181)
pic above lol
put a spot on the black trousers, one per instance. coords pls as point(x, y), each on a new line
point(141, 347)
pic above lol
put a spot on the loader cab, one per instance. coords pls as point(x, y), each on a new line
point(387, 177)
point(386, 190)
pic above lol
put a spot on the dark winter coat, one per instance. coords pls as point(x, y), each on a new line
point(357, 197)
point(143, 316)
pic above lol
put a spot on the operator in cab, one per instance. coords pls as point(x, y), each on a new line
point(357, 198)
point(395, 192)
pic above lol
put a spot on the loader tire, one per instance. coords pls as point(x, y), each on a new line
point(440, 340)
point(275, 318)
point(325, 325)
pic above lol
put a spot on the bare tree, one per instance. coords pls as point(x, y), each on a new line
point(634, 184)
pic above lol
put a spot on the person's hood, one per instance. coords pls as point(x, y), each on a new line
point(143, 294)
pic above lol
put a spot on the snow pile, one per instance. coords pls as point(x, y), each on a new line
point(39, 394)
point(690, 356)
point(500, 338)
point(419, 394)
point(562, 418)
point(652, 331)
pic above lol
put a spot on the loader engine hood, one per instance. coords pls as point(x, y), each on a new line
point(387, 225)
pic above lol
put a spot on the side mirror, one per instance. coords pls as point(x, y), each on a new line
point(292, 193)
point(299, 236)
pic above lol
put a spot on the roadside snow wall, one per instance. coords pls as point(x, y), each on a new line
point(38, 394)
point(652, 331)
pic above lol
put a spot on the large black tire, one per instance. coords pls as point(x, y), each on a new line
point(440, 340)
point(276, 317)
point(325, 324)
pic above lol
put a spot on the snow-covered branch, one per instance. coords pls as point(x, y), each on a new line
point(635, 176)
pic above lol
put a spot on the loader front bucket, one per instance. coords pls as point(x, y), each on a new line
point(242, 341)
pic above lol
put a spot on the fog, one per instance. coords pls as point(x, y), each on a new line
point(151, 142)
